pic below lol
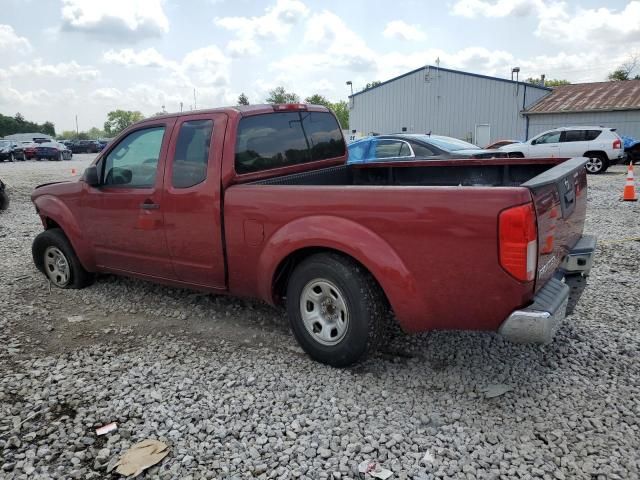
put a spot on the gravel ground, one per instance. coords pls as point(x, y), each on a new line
point(222, 382)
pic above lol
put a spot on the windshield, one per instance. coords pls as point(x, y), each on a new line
point(447, 143)
point(4, 144)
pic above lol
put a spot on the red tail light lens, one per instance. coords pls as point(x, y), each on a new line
point(518, 238)
point(617, 144)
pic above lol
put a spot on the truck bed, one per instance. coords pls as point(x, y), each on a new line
point(423, 223)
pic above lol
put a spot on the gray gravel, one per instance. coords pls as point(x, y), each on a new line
point(222, 382)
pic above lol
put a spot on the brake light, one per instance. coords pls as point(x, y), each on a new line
point(617, 144)
point(518, 242)
point(283, 107)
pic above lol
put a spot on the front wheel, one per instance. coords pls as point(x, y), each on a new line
point(597, 164)
point(53, 255)
point(335, 309)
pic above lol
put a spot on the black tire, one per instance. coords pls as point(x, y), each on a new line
point(365, 303)
point(60, 157)
point(4, 200)
point(598, 163)
point(78, 277)
point(12, 157)
point(516, 155)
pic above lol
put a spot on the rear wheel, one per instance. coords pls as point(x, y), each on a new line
point(335, 309)
point(597, 163)
point(53, 255)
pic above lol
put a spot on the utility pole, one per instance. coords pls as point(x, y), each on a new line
point(195, 104)
point(77, 131)
point(180, 107)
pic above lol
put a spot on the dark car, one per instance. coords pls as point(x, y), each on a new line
point(4, 197)
point(10, 151)
point(86, 146)
point(415, 147)
point(53, 151)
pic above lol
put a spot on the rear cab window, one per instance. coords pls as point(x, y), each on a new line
point(282, 139)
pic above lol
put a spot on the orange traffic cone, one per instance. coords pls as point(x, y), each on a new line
point(629, 193)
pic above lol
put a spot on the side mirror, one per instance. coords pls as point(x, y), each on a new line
point(90, 176)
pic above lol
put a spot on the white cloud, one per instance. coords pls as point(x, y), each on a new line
point(11, 41)
point(401, 30)
point(274, 25)
point(203, 66)
point(116, 20)
point(597, 26)
point(148, 57)
point(497, 8)
point(36, 67)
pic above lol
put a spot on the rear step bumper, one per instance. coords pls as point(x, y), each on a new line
point(538, 322)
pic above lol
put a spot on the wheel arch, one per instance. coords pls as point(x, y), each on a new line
point(296, 241)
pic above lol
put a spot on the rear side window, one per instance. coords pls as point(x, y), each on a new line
point(286, 138)
point(392, 149)
point(592, 134)
point(574, 136)
point(421, 150)
point(192, 153)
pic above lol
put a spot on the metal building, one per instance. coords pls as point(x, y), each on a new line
point(610, 104)
point(476, 108)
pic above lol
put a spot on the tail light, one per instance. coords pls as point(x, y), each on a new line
point(617, 144)
point(518, 242)
point(284, 107)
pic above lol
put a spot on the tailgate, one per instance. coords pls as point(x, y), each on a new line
point(560, 199)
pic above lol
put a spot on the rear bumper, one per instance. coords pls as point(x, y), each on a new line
point(539, 322)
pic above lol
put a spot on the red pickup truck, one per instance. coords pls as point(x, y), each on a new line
point(258, 201)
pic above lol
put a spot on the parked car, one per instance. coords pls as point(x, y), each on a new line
point(4, 196)
point(601, 145)
point(29, 149)
point(86, 146)
point(631, 149)
point(500, 143)
point(53, 151)
point(258, 201)
point(407, 146)
point(10, 151)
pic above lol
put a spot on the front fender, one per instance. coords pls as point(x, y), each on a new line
point(51, 207)
point(350, 238)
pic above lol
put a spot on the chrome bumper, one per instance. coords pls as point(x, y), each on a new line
point(538, 322)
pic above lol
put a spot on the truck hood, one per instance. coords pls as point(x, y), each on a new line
point(56, 188)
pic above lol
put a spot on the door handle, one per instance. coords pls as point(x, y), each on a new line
point(149, 206)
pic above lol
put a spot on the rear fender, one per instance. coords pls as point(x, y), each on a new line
point(51, 207)
point(350, 238)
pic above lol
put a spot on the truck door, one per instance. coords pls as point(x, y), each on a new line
point(123, 215)
point(192, 199)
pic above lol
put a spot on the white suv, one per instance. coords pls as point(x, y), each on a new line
point(602, 146)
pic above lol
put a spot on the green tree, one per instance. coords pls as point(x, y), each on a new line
point(551, 82)
point(375, 83)
point(280, 95)
point(625, 71)
point(95, 132)
point(317, 99)
point(19, 118)
point(243, 100)
point(341, 109)
point(49, 128)
point(118, 120)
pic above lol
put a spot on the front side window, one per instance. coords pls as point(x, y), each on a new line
point(392, 149)
point(551, 137)
point(286, 138)
point(134, 161)
point(192, 153)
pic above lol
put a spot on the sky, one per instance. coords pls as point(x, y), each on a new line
point(62, 58)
